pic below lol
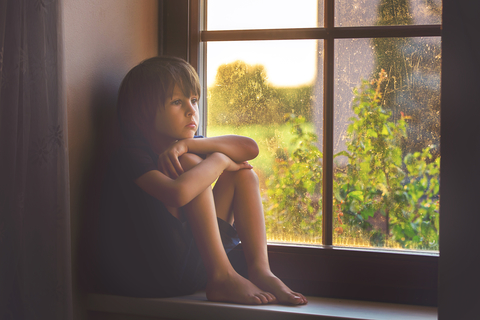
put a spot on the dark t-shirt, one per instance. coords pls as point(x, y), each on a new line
point(143, 249)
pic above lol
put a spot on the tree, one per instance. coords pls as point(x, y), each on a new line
point(241, 95)
point(411, 66)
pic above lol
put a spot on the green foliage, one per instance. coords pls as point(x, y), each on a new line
point(241, 95)
point(418, 223)
point(394, 12)
point(269, 139)
point(412, 62)
point(377, 180)
point(294, 188)
point(296, 100)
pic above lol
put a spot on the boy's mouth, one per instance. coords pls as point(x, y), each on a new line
point(192, 124)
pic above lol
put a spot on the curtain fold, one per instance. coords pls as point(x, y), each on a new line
point(35, 262)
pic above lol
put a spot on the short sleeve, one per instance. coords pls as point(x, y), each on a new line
point(138, 161)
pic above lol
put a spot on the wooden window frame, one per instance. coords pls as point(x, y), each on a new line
point(395, 276)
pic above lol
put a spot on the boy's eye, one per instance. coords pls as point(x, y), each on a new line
point(194, 100)
point(177, 102)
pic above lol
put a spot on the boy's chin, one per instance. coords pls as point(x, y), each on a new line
point(186, 137)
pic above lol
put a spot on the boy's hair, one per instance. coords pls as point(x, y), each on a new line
point(146, 87)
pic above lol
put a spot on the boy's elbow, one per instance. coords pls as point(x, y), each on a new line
point(182, 200)
point(179, 196)
point(176, 202)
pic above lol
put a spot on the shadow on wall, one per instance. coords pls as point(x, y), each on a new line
point(105, 138)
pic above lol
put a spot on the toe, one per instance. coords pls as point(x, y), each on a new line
point(298, 298)
point(295, 298)
point(271, 297)
point(263, 297)
point(305, 301)
point(256, 300)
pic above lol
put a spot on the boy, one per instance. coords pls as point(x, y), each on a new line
point(173, 228)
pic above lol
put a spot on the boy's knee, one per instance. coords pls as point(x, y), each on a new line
point(244, 176)
point(189, 160)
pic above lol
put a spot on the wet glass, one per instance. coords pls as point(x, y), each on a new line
point(268, 90)
point(264, 14)
point(387, 143)
point(354, 13)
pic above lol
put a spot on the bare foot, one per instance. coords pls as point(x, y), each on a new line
point(232, 287)
point(269, 282)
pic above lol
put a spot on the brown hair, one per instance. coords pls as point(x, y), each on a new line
point(146, 87)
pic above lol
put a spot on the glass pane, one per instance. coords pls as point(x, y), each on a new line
point(387, 142)
point(264, 14)
point(354, 13)
point(266, 90)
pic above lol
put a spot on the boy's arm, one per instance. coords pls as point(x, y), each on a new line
point(237, 148)
point(178, 192)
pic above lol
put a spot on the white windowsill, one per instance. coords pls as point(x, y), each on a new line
point(197, 307)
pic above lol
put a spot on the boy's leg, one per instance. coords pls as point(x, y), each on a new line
point(239, 192)
point(224, 283)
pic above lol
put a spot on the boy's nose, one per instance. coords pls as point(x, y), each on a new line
point(191, 108)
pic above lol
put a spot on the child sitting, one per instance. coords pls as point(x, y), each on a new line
point(164, 230)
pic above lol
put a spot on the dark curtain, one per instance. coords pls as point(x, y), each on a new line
point(35, 270)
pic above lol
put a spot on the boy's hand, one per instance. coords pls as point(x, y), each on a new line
point(168, 162)
point(234, 166)
point(239, 166)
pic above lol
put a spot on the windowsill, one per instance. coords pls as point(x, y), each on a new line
point(378, 250)
point(197, 307)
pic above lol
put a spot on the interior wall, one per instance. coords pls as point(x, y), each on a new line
point(102, 41)
point(459, 277)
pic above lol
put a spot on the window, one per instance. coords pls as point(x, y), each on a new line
point(345, 42)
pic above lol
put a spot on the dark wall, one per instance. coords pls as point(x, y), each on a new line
point(102, 41)
point(459, 273)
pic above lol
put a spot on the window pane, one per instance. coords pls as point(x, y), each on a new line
point(266, 90)
point(264, 14)
point(387, 136)
point(387, 12)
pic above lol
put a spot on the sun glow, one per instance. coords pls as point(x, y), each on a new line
point(288, 63)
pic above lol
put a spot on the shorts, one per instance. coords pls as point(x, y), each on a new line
point(161, 261)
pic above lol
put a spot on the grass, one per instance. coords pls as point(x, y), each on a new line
point(268, 138)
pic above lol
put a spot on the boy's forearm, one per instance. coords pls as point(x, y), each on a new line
point(237, 148)
point(194, 181)
point(178, 192)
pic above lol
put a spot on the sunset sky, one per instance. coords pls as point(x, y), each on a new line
point(288, 63)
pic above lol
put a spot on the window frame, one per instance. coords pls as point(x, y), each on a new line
point(395, 276)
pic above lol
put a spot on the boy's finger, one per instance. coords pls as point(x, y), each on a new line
point(177, 166)
point(245, 165)
point(168, 170)
point(172, 172)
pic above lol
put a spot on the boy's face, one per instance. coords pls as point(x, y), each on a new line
point(178, 118)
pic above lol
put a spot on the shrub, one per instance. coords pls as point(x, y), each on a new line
point(377, 179)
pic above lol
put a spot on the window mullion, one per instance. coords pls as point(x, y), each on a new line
point(321, 33)
point(328, 83)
